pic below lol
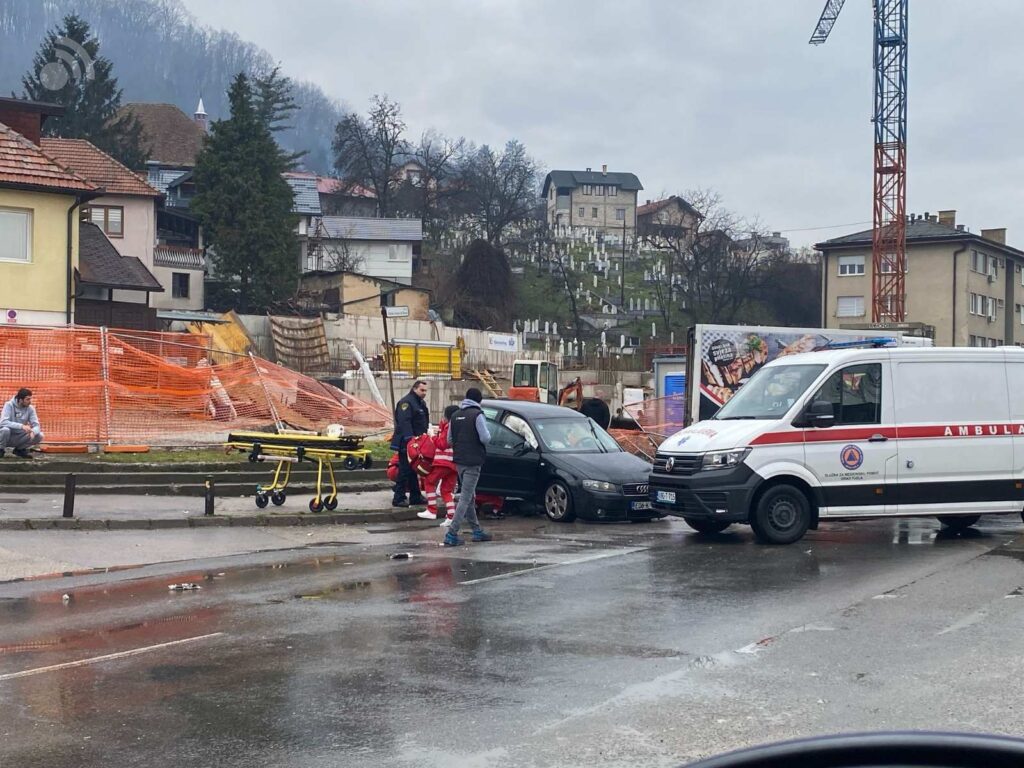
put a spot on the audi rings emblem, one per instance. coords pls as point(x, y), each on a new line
point(670, 464)
point(643, 489)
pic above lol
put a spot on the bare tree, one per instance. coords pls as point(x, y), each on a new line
point(428, 196)
point(498, 189)
point(370, 152)
point(332, 252)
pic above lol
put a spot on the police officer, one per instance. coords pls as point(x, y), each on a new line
point(411, 420)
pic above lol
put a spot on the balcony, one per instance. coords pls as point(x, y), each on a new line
point(178, 257)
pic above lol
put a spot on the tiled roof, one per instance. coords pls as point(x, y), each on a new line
point(652, 208)
point(100, 264)
point(304, 189)
point(625, 181)
point(325, 185)
point(918, 230)
point(171, 136)
point(388, 230)
point(97, 166)
point(23, 163)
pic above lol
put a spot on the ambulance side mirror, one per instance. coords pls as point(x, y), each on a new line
point(819, 414)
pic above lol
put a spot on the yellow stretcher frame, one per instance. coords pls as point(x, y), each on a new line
point(287, 450)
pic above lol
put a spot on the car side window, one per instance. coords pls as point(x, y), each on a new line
point(855, 394)
point(503, 437)
point(518, 425)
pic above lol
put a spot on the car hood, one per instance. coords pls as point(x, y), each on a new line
point(714, 435)
point(616, 468)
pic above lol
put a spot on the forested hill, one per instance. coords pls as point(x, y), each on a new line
point(162, 54)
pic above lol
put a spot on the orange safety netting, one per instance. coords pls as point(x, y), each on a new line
point(656, 419)
point(93, 385)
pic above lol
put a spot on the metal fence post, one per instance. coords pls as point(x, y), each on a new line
point(69, 495)
point(210, 496)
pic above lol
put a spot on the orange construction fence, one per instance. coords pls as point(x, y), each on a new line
point(656, 419)
point(108, 387)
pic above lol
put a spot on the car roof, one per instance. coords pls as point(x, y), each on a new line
point(532, 410)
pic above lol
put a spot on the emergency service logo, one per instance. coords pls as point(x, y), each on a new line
point(851, 457)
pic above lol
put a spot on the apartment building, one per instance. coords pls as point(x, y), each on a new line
point(599, 200)
point(966, 288)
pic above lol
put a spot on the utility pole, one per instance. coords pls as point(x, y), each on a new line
point(622, 276)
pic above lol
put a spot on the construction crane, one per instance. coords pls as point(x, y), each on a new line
point(889, 240)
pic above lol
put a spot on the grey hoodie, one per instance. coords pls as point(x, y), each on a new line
point(14, 416)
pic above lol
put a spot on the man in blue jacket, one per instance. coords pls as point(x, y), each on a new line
point(19, 425)
point(468, 436)
point(412, 417)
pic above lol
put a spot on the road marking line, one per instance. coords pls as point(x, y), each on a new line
point(108, 657)
point(577, 561)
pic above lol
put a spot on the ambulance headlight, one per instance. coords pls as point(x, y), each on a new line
point(724, 459)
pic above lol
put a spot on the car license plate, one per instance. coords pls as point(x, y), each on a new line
point(641, 505)
point(667, 497)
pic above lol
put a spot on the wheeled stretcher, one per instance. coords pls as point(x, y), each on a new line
point(288, 449)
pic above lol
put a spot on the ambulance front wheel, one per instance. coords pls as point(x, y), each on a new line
point(706, 526)
point(958, 522)
point(782, 515)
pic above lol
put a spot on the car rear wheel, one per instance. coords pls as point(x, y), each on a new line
point(558, 504)
point(706, 526)
point(782, 516)
point(958, 522)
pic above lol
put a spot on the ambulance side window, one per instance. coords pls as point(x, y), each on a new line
point(855, 394)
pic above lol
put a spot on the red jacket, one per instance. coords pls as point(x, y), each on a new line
point(444, 458)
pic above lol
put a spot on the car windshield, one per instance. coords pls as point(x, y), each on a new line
point(574, 435)
point(770, 393)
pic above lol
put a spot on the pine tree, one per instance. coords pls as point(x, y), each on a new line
point(68, 70)
point(275, 106)
point(245, 204)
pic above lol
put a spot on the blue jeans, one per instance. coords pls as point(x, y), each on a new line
point(466, 509)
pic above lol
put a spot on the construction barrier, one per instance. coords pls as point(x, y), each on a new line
point(107, 387)
point(656, 419)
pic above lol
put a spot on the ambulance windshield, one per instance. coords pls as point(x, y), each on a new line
point(771, 392)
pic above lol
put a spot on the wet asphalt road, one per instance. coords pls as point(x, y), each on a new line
point(552, 646)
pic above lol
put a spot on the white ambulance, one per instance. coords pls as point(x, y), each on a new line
point(854, 433)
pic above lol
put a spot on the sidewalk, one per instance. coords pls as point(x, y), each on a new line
point(22, 511)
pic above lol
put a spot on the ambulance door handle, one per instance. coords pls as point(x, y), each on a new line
point(878, 439)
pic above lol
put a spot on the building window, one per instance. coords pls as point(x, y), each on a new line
point(850, 306)
point(587, 189)
point(593, 213)
point(393, 254)
point(983, 306)
point(582, 212)
point(613, 191)
point(179, 285)
point(599, 190)
point(15, 235)
point(851, 265)
point(109, 218)
point(620, 214)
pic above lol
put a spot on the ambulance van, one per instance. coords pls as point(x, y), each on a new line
point(852, 433)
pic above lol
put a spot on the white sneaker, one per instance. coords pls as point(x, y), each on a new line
point(446, 522)
point(426, 515)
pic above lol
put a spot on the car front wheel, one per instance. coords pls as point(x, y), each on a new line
point(558, 504)
point(782, 516)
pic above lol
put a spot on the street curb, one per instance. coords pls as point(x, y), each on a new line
point(290, 520)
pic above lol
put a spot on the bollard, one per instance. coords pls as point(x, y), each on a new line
point(69, 495)
point(209, 496)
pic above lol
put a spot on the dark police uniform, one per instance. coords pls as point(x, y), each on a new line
point(412, 417)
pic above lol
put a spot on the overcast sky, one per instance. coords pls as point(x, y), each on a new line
point(684, 93)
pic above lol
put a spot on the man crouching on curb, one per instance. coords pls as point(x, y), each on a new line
point(468, 436)
point(19, 425)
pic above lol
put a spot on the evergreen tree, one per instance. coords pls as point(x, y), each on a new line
point(485, 295)
point(276, 106)
point(245, 204)
point(68, 70)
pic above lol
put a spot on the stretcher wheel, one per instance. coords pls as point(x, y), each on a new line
point(331, 503)
point(262, 500)
point(351, 462)
point(278, 498)
point(315, 506)
point(367, 462)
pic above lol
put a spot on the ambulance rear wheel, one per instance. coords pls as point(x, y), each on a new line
point(278, 497)
point(262, 500)
point(782, 516)
point(331, 503)
point(958, 522)
point(351, 462)
point(706, 526)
